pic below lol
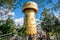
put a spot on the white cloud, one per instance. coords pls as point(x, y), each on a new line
point(4, 13)
point(38, 21)
point(57, 15)
point(19, 21)
point(11, 13)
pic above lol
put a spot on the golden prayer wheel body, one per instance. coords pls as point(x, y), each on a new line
point(30, 8)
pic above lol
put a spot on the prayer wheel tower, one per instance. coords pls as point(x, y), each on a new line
point(30, 9)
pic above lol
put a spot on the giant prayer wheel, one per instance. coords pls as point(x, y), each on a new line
point(30, 9)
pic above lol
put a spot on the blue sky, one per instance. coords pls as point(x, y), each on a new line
point(18, 12)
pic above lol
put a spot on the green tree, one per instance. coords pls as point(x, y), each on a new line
point(56, 28)
point(7, 27)
point(50, 24)
point(47, 22)
point(22, 31)
point(6, 23)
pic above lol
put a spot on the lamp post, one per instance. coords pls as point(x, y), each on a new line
point(30, 9)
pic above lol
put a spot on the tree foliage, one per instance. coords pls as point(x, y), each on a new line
point(12, 4)
point(46, 20)
point(7, 27)
point(50, 23)
point(22, 31)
